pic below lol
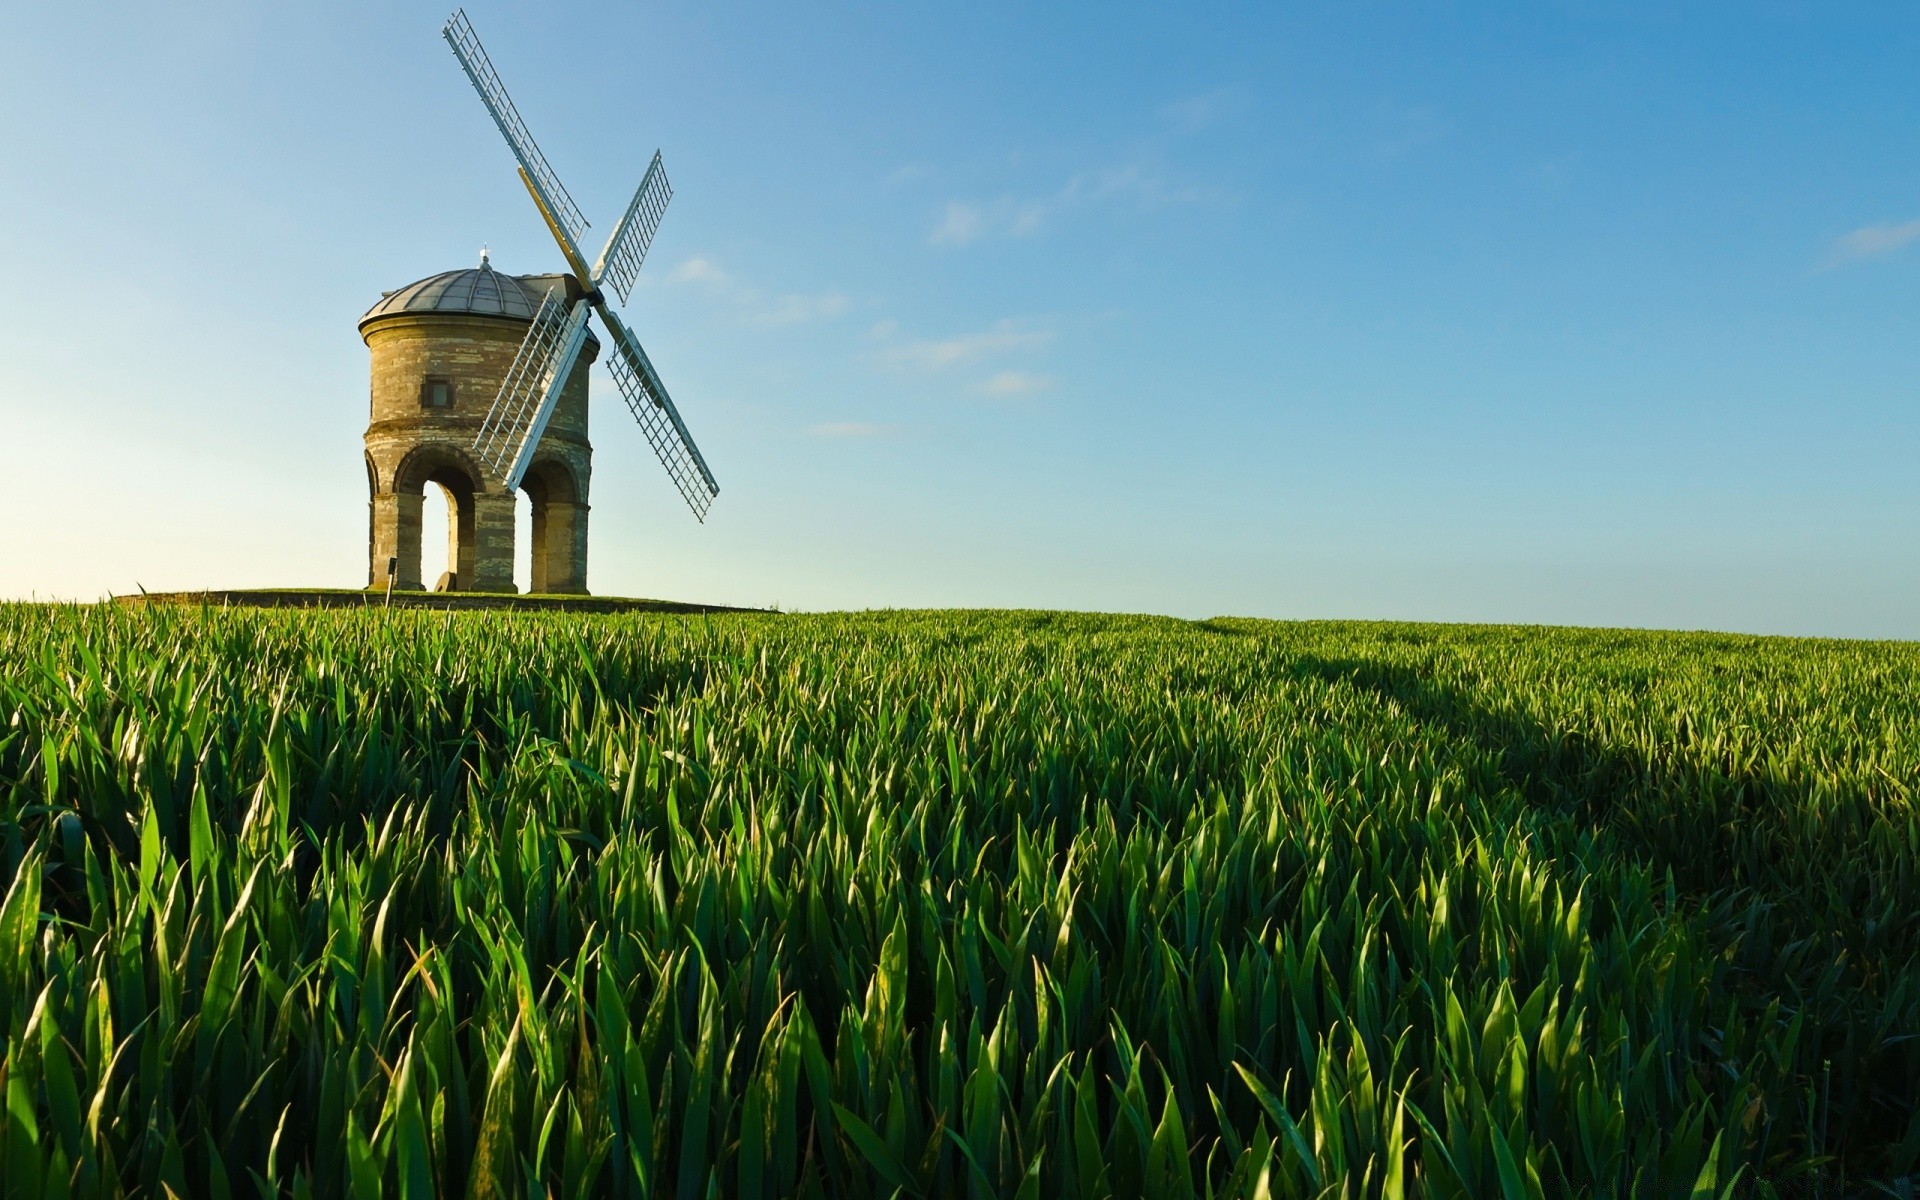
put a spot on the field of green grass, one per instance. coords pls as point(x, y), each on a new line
point(956, 904)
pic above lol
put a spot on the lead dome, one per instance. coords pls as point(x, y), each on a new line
point(477, 291)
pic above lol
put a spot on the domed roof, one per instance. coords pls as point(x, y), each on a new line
point(480, 290)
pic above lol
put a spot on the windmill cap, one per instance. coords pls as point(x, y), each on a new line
point(478, 291)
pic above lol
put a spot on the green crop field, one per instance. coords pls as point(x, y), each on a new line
point(982, 904)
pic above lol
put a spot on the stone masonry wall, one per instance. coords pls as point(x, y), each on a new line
point(409, 445)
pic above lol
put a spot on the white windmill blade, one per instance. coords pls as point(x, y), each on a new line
point(647, 398)
point(541, 180)
point(532, 387)
point(627, 245)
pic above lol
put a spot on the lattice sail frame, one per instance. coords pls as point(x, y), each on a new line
point(479, 68)
point(647, 399)
point(531, 389)
point(627, 245)
point(513, 426)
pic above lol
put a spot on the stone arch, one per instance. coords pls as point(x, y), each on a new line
point(554, 477)
point(559, 533)
point(428, 459)
point(376, 570)
point(473, 540)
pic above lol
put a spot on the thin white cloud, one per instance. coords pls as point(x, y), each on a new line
point(791, 308)
point(850, 429)
point(1147, 189)
point(940, 353)
point(1029, 216)
point(1006, 216)
point(1140, 181)
point(962, 224)
point(1872, 241)
point(1016, 383)
point(1138, 185)
point(795, 309)
point(1195, 113)
point(702, 271)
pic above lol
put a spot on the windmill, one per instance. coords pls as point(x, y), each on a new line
point(533, 384)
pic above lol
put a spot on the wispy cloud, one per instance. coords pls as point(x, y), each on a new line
point(1137, 185)
point(850, 429)
point(937, 354)
point(1138, 181)
point(1195, 113)
point(787, 308)
point(1146, 188)
point(701, 271)
point(794, 309)
point(961, 224)
point(1016, 383)
point(1872, 241)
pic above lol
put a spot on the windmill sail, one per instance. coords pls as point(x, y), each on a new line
point(512, 428)
point(479, 68)
point(647, 398)
point(627, 245)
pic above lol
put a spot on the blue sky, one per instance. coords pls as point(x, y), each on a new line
point(1566, 313)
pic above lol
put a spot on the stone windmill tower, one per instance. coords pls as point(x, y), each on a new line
point(441, 349)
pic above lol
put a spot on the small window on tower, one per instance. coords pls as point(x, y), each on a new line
point(436, 392)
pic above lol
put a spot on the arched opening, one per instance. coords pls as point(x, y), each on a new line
point(439, 536)
point(555, 525)
point(523, 540)
point(450, 544)
point(434, 500)
point(376, 569)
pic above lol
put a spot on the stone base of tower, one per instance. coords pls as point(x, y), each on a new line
point(480, 534)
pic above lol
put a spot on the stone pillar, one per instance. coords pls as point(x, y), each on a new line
point(539, 584)
point(396, 534)
point(491, 544)
point(461, 557)
point(560, 547)
point(381, 517)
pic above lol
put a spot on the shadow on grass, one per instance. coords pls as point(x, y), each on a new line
point(1807, 890)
